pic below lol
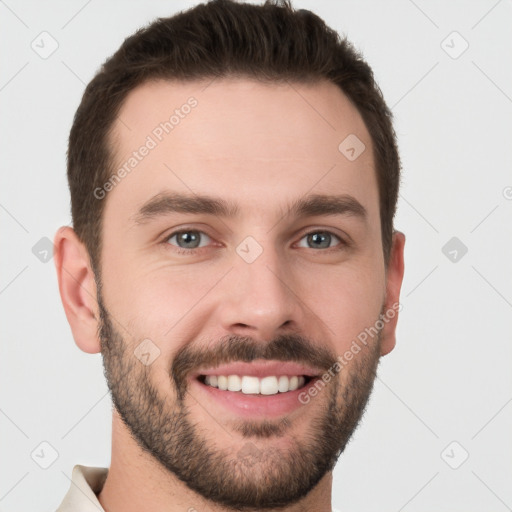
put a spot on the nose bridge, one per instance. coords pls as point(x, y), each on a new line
point(262, 301)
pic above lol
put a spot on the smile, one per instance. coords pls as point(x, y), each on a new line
point(253, 389)
point(249, 385)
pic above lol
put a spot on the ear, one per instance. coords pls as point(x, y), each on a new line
point(77, 289)
point(394, 277)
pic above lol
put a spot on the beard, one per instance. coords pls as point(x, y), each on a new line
point(254, 478)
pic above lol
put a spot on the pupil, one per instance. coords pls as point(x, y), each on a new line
point(320, 239)
point(189, 237)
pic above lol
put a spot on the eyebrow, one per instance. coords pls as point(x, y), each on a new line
point(167, 203)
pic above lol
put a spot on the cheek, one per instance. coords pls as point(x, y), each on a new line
point(158, 302)
point(145, 287)
point(348, 301)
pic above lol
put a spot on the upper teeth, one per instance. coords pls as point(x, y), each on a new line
point(253, 385)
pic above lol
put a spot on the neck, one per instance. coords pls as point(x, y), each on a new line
point(136, 481)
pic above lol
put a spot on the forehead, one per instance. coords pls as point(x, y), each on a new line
point(240, 139)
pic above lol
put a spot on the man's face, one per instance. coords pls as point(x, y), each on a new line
point(264, 292)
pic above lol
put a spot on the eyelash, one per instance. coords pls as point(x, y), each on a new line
point(180, 250)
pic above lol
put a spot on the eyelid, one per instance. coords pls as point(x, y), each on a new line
point(342, 242)
point(164, 235)
point(345, 240)
point(186, 229)
point(340, 234)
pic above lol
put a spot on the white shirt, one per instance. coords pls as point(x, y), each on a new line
point(86, 484)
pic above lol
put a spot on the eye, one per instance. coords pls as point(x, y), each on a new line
point(188, 239)
point(320, 240)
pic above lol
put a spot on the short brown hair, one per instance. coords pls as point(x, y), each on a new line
point(223, 38)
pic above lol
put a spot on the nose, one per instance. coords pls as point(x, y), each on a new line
point(258, 299)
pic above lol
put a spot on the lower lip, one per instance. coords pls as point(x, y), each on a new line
point(270, 406)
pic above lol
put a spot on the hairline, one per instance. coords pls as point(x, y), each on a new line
point(111, 140)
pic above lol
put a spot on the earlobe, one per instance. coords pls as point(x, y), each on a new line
point(394, 278)
point(77, 289)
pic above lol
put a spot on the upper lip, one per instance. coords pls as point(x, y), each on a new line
point(260, 369)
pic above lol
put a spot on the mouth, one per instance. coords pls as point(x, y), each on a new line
point(250, 385)
point(265, 389)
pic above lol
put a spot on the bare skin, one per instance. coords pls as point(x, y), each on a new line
point(260, 147)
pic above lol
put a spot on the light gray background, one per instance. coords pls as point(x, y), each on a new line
point(449, 377)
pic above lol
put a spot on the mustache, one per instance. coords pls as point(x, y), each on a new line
point(289, 347)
